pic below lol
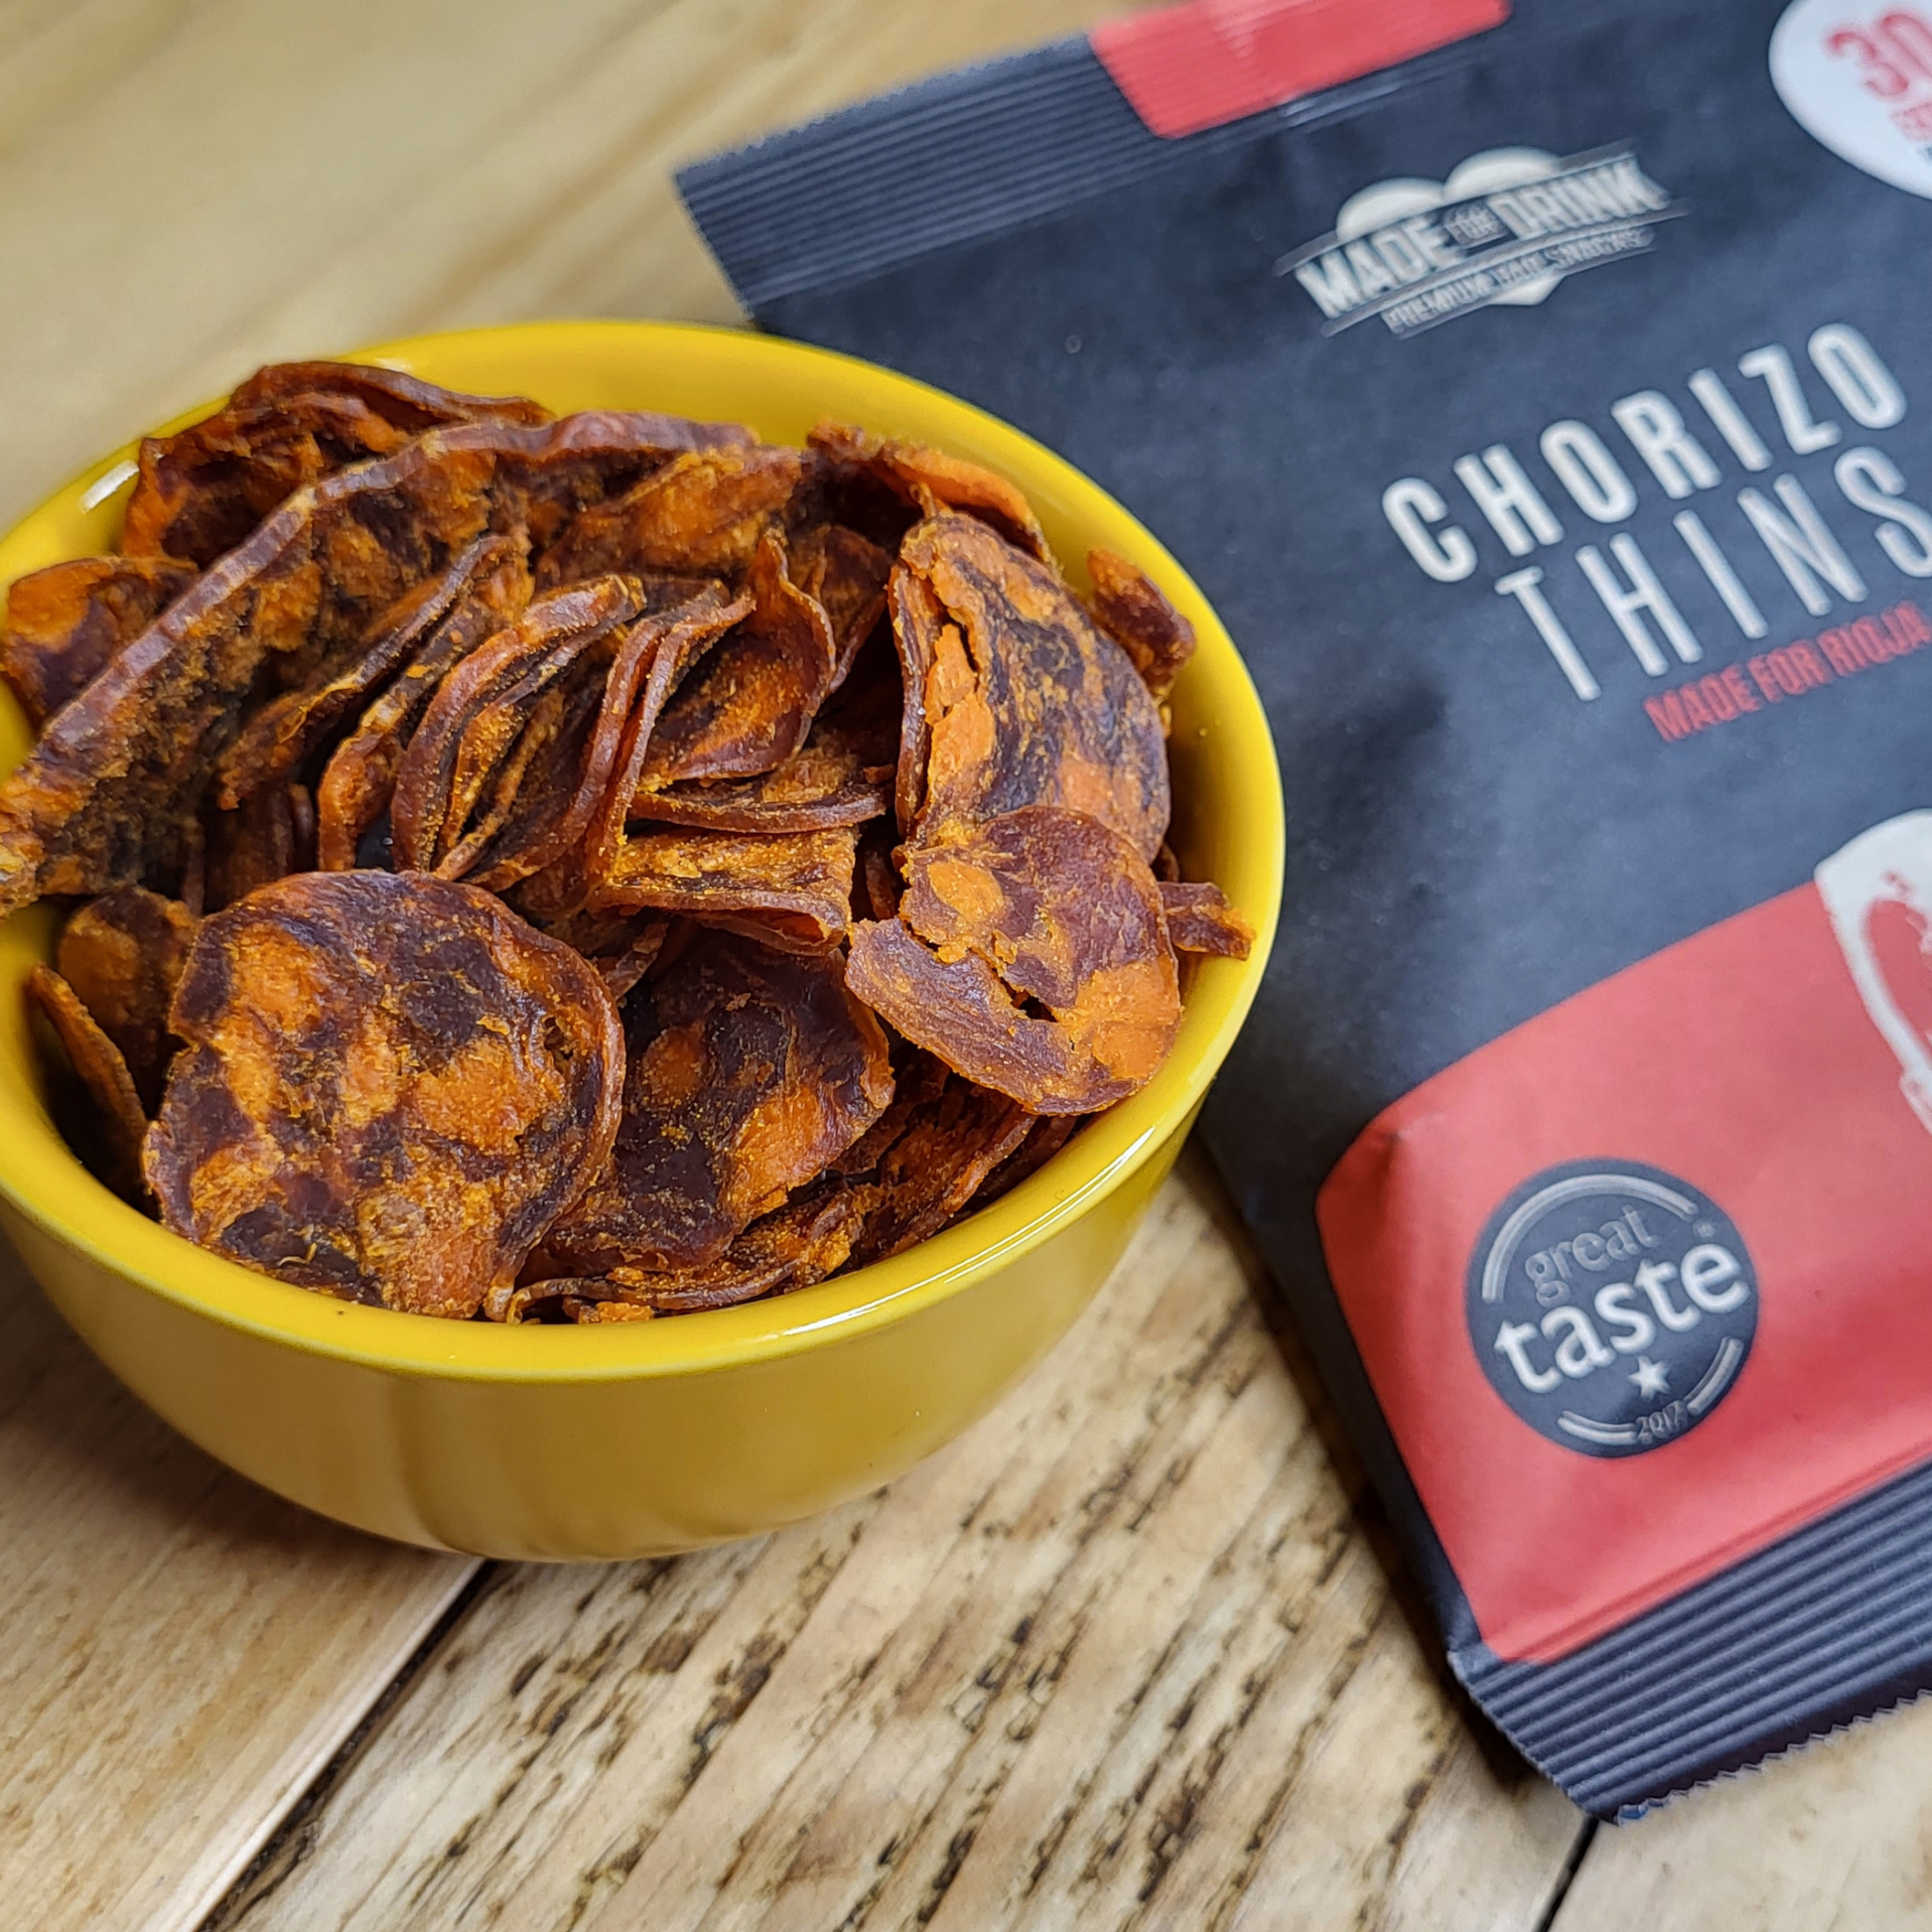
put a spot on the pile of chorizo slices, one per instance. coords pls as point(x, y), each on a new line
point(586, 868)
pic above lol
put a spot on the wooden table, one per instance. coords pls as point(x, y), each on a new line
point(1133, 1652)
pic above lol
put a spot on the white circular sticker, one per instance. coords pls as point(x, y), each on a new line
point(1858, 75)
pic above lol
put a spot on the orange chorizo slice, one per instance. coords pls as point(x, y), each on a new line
point(405, 400)
point(1014, 696)
point(277, 739)
point(846, 574)
point(100, 1116)
point(123, 955)
point(569, 811)
point(201, 491)
point(830, 782)
point(933, 481)
point(392, 1088)
point(66, 622)
point(1200, 919)
point(704, 511)
point(480, 709)
point(749, 1073)
point(1041, 908)
point(793, 890)
point(751, 705)
point(1131, 608)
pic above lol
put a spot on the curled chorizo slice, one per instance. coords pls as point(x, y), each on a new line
point(749, 1073)
point(64, 623)
point(100, 1116)
point(123, 954)
point(1014, 696)
point(392, 1088)
point(1041, 910)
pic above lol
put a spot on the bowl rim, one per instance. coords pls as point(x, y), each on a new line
point(47, 1184)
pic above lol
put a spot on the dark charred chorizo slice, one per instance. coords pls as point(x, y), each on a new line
point(751, 703)
point(947, 1148)
point(359, 779)
point(569, 813)
point(704, 511)
point(123, 954)
point(749, 1073)
point(279, 737)
point(407, 401)
point(847, 575)
point(1200, 919)
point(793, 890)
point(826, 784)
point(1042, 908)
point(1131, 608)
point(1013, 695)
point(103, 1118)
point(392, 1088)
point(796, 1246)
point(477, 713)
point(201, 491)
point(257, 843)
point(66, 622)
point(933, 481)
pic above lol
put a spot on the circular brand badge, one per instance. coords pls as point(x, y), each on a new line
point(1857, 74)
point(1611, 1305)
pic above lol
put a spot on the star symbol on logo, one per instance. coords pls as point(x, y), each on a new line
point(1651, 1378)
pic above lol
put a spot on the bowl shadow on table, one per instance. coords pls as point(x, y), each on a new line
point(1505, 1763)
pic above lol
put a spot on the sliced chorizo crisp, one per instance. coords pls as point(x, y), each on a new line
point(66, 623)
point(279, 737)
point(570, 813)
point(104, 797)
point(123, 954)
point(359, 779)
point(793, 890)
point(392, 1086)
point(1041, 906)
point(1129, 607)
point(847, 574)
point(794, 1247)
point(827, 783)
point(405, 400)
point(704, 511)
point(1014, 696)
point(109, 1124)
point(749, 1073)
point(751, 705)
point(935, 482)
point(948, 1147)
point(201, 491)
point(260, 841)
point(1200, 919)
point(480, 709)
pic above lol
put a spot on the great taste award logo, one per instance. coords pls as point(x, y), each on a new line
point(1506, 227)
point(1611, 1305)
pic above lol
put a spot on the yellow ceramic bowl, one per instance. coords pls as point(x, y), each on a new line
point(651, 1437)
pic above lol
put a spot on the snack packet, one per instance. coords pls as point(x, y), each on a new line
point(1549, 415)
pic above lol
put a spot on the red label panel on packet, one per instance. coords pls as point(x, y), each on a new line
point(1642, 1286)
point(1203, 63)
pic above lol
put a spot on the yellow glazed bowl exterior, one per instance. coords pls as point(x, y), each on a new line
point(648, 1438)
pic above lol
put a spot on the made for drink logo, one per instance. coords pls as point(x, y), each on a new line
point(1506, 227)
point(1611, 1305)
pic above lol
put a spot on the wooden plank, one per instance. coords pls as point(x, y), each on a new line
point(1121, 1656)
point(1835, 1835)
point(180, 1653)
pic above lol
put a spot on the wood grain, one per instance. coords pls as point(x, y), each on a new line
point(180, 1653)
point(1122, 1656)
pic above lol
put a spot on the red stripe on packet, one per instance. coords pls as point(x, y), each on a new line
point(1208, 61)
